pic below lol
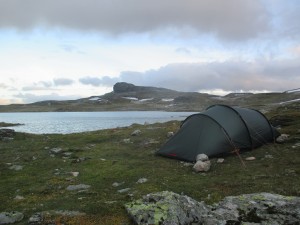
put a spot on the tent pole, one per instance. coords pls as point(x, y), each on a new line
point(238, 154)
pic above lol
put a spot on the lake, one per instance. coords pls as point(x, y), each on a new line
point(75, 122)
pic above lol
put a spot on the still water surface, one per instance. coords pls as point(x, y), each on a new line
point(74, 122)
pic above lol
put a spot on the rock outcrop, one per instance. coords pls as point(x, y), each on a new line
point(10, 217)
point(168, 208)
point(121, 87)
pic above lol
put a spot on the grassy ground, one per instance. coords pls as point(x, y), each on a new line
point(103, 157)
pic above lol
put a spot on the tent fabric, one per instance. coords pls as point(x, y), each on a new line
point(219, 129)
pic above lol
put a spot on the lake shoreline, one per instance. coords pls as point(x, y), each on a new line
point(78, 122)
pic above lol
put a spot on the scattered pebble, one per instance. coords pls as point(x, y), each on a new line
point(251, 158)
point(19, 197)
point(187, 164)
point(282, 138)
point(16, 167)
point(297, 145)
point(136, 133)
point(170, 134)
point(124, 190)
point(78, 187)
point(269, 157)
point(116, 184)
point(55, 150)
point(36, 218)
point(74, 174)
point(142, 180)
point(126, 140)
point(220, 160)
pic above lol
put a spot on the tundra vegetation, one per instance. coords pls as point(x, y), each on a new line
point(91, 176)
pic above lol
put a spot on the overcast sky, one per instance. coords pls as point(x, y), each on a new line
point(54, 49)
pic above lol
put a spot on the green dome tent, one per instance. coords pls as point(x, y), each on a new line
point(219, 129)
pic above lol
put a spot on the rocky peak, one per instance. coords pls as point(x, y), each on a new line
point(121, 87)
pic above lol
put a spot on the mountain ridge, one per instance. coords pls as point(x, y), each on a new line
point(129, 97)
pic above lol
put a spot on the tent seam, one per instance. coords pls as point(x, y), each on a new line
point(222, 128)
point(241, 118)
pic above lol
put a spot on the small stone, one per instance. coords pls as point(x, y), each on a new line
point(124, 190)
point(74, 174)
point(116, 184)
point(297, 145)
point(282, 138)
point(136, 133)
point(187, 164)
point(269, 157)
point(251, 158)
point(19, 197)
point(126, 140)
point(55, 150)
point(69, 213)
point(142, 180)
point(170, 134)
point(201, 166)
point(16, 167)
point(202, 157)
point(36, 219)
point(220, 160)
point(78, 187)
point(67, 154)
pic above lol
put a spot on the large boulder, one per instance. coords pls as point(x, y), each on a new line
point(10, 217)
point(168, 208)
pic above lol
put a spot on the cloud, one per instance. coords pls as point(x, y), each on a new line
point(38, 86)
point(227, 76)
point(230, 19)
point(96, 82)
point(4, 86)
point(62, 82)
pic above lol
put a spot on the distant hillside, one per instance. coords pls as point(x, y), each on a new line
point(126, 96)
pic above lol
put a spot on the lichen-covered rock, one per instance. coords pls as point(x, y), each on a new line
point(10, 217)
point(261, 208)
point(168, 208)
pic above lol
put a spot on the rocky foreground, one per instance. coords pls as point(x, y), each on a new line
point(169, 208)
